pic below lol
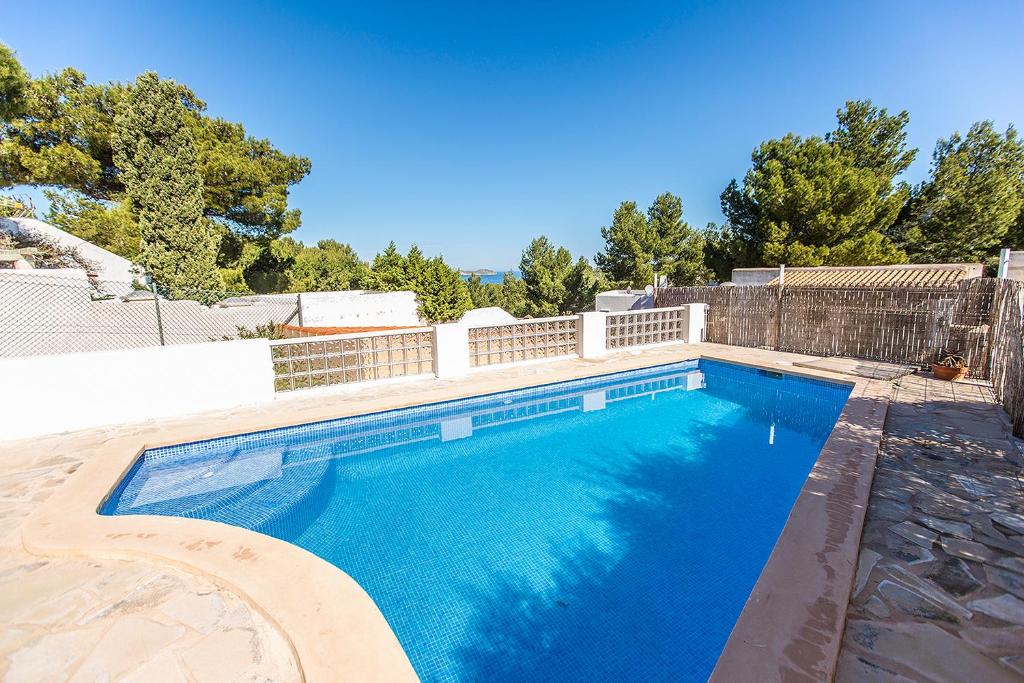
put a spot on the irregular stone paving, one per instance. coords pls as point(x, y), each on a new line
point(69, 619)
point(939, 592)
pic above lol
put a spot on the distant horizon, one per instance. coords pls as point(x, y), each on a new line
point(470, 129)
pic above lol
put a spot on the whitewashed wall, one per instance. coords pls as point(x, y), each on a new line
point(52, 394)
point(359, 308)
point(65, 392)
point(108, 266)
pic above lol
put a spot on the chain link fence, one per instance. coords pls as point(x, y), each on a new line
point(49, 312)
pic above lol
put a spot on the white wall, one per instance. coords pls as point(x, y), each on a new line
point(51, 394)
point(109, 266)
point(1015, 267)
point(359, 308)
point(616, 300)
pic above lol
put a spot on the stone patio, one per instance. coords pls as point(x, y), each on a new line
point(95, 619)
point(939, 593)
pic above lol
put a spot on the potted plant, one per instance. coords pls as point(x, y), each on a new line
point(950, 366)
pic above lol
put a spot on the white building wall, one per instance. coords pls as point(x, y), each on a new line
point(109, 266)
point(617, 300)
point(55, 394)
point(360, 308)
point(1015, 266)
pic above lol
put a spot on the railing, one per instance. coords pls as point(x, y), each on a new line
point(348, 358)
point(523, 340)
point(645, 327)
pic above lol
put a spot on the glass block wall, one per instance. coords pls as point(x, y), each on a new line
point(523, 340)
point(327, 361)
point(638, 328)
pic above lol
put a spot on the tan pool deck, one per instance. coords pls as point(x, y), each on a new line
point(154, 599)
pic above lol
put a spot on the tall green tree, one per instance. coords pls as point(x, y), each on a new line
point(821, 201)
point(583, 283)
point(629, 247)
point(545, 268)
point(389, 271)
point(874, 139)
point(969, 207)
point(637, 246)
point(441, 293)
point(154, 150)
point(679, 250)
point(513, 295)
point(554, 284)
point(61, 133)
point(14, 83)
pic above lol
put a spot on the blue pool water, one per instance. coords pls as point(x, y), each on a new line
point(607, 529)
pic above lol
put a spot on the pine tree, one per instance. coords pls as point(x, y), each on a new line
point(969, 207)
point(629, 247)
point(442, 294)
point(636, 246)
point(154, 150)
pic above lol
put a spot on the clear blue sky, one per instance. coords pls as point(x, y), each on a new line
point(469, 128)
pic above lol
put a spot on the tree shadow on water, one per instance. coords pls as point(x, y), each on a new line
point(661, 604)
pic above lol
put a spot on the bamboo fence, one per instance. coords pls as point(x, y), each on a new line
point(980, 317)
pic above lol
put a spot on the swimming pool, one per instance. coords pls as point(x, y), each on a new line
point(601, 529)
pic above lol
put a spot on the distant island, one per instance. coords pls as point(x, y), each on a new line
point(480, 271)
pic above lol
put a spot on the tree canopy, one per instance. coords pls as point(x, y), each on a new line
point(971, 205)
point(554, 284)
point(637, 246)
point(441, 293)
point(821, 201)
point(58, 129)
point(154, 150)
point(14, 82)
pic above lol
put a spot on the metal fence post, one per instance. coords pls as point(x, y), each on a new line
point(159, 320)
point(298, 306)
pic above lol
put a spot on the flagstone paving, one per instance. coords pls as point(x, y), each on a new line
point(939, 592)
point(71, 619)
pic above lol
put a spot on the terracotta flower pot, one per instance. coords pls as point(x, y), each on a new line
point(947, 373)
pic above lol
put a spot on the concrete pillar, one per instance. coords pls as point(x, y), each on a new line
point(451, 350)
point(696, 321)
point(591, 334)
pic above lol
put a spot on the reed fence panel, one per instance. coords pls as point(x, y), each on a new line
point(889, 324)
point(1007, 351)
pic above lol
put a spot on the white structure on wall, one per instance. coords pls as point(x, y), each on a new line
point(53, 394)
point(1011, 265)
point(105, 265)
point(359, 308)
point(616, 300)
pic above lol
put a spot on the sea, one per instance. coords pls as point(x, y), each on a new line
point(497, 278)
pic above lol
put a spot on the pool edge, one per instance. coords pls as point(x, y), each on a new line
point(318, 615)
point(791, 626)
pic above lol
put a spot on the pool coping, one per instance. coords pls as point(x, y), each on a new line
point(790, 628)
